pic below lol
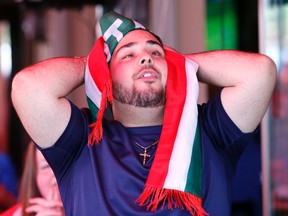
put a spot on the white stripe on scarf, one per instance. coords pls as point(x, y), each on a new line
point(91, 89)
point(181, 155)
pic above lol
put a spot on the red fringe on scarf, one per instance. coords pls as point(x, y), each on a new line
point(152, 197)
point(97, 131)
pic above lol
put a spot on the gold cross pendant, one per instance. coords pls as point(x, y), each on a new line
point(144, 155)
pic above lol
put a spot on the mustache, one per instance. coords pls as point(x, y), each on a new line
point(147, 66)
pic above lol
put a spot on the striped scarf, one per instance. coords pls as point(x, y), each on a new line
point(176, 173)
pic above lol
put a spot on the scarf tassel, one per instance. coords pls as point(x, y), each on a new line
point(97, 131)
point(151, 197)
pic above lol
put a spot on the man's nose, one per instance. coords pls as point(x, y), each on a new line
point(146, 60)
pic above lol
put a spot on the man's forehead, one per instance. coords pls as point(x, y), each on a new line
point(137, 37)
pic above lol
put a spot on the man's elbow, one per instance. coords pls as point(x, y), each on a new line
point(20, 87)
point(269, 71)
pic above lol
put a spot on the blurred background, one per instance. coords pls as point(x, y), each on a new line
point(34, 30)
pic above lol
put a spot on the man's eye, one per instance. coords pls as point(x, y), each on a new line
point(156, 53)
point(128, 56)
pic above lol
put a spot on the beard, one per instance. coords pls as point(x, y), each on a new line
point(148, 98)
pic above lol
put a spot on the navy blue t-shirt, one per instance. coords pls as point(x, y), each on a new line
point(107, 178)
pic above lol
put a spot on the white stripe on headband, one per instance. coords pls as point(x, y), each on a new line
point(107, 52)
point(113, 30)
point(138, 25)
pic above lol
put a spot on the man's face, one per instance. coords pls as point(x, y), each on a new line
point(139, 70)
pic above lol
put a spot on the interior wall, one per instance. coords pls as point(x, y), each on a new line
point(164, 22)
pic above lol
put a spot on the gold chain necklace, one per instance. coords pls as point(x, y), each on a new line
point(145, 155)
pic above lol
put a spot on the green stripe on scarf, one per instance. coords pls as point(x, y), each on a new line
point(93, 109)
point(194, 178)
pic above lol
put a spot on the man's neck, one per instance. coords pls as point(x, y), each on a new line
point(131, 116)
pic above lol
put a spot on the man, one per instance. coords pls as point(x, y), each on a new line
point(153, 94)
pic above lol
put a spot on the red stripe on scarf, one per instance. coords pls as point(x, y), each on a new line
point(175, 100)
point(153, 197)
point(100, 73)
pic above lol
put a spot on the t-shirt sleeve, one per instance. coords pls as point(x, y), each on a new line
point(71, 142)
point(226, 137)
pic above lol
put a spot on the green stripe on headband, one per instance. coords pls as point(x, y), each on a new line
point(114, 27)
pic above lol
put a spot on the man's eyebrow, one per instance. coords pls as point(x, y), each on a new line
point(127, 45)
point(150, 42)
point(154, 42)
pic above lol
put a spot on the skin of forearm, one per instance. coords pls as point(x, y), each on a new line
point(57, 76)
point(230, 68)
point(248, 80)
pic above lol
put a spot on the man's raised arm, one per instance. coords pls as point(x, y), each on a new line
point(248, 80)
point(38, 95)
